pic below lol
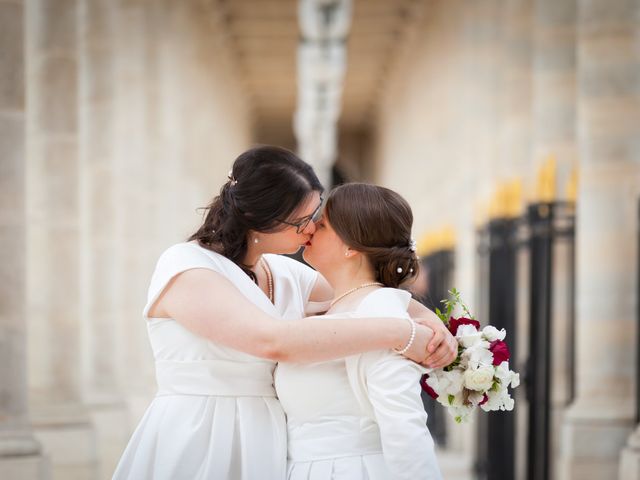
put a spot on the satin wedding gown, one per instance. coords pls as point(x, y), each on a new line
point(361, 417)
point(215, 414)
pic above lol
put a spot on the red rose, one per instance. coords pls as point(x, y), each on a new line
point(426, 387)
point(500, 352)
point(454, 323)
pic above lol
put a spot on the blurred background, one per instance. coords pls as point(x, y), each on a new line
point(511, 126)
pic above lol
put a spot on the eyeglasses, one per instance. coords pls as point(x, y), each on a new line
point(302, 224)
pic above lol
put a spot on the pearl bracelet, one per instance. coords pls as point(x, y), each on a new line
point(411, 338)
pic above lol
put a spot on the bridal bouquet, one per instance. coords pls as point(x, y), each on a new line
point(480, 374)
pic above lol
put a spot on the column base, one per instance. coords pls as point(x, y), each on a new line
point(111, 421)
point(68, 439)
point(592, 439)
point(25, 467)
point(630, 458)
point(21, 457)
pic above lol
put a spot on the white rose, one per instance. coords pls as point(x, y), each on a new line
point(492, 334)
point(468, 336)
point(479, 379)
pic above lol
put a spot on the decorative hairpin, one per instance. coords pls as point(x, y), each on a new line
point(413, 245)
point(231, 178)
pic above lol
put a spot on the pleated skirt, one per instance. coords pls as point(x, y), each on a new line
point(200, 437)
point(361, 467)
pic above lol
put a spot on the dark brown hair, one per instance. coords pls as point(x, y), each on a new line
point(267, 184)
point(377, 222)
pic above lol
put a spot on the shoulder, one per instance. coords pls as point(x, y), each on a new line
point(189, 255)
point(189, 252)
point(385, 302)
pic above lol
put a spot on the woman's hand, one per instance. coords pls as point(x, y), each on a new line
point(443, 347)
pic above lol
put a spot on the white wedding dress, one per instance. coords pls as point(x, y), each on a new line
point(361, 417)
point(215, 415)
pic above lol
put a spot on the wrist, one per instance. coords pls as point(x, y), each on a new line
point(408, 343)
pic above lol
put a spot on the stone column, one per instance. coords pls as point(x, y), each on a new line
point(99, 192)
point(514, 140)
point(554, 87)
point(630, 458)
point(20, 455)
point(136, 150)
point(53, 240)
point(598, 423)
point(554, 122)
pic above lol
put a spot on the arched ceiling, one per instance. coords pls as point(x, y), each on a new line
point(264, 35)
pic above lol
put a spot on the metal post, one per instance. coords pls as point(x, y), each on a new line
point(540, 218)
point(500, 438)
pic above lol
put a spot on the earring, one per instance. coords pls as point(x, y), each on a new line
point(255, 240)
point(346, 254)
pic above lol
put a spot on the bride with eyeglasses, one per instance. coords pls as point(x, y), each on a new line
point(223, 308)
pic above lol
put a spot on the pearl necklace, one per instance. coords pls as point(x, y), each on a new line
point(348, 292)
point(267, 272)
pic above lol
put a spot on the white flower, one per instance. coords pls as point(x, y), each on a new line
point(479, 379)
point(475, 398)
point(498, 400)
point(468, 336)
point(477, 355)
point(507, 376)
point(460, 414)
point(451, 382)
point(492, 334)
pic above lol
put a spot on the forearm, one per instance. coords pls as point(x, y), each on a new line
point(315, 339)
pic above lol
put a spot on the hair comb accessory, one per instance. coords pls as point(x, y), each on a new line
point(231, 178)
point(413, 245)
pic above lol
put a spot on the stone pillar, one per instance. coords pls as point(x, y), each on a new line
point(514, 141)
point(554, 121)
point(554, 87)
point(136, 149)
point(630, 458)
point(598, 423)
point(53, 242)
point(99, 192)
point(20, 455)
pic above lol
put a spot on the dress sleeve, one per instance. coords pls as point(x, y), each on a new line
point(303, 275)
point(173, 261)
point(393, 385)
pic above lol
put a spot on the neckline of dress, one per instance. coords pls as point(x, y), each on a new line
point(360, 302)
point(244, 276)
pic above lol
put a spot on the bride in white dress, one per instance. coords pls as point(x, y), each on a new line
point(215, 314)
point(360, 417)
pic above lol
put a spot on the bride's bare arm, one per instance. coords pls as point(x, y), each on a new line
point(443, 347)
point(209, 305)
